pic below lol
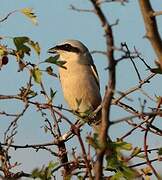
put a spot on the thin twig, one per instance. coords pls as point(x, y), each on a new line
point(157, 13)
point(134, 65)
point(72, 7)
point(133, 89)
point(76, 131)
point(7, 16)
point(142, 163)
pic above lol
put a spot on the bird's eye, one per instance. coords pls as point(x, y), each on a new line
point(67, 46)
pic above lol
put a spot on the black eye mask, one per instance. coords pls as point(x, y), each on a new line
point(67, 47)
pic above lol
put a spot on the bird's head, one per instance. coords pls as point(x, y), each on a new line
point(71, 50)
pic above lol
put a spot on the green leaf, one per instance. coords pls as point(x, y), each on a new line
point(35, 173)
point(54, 60)
point(136, 151)
point(147, 171)
point(37, 75)
point(117, 176)
point(3, 50)
point(28, 12)
point(44, 173)
point(22, 44)
point(35, 46)
point(141, 155)
point(19, 41)
point(160, 151)
point(52, 165)
point(121, 145)
point(112, 162)
point(120, 168)
point(52, 93)
point(128, 172)
point(80, 177)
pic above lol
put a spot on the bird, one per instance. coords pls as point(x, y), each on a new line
point(79, 78)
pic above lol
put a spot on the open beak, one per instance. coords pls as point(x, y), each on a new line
point(52, 50)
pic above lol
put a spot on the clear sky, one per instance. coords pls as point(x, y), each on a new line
point(57, 22)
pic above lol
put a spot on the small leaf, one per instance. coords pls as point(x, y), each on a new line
point(141, 155)
point(54, 60)
point(122, 171)
point(121, 145)
point(35, 173)
point(52, 93)
point(22, 44)
point(32, 94)
point(35, 46)
point(37, 75)
point(21, 47)
point(45, 129)
point(117, 176)
point(19, 41)
point(128, 172)
point(136, 151)
point(147, 171)
point(28, 12)
point(52, 165)
point(80, 177)
point(45, 172)
point(49, 70)
point(3, 50)
point(160, 151)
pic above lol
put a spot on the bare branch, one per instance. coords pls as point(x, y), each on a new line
point(106, 103)
point(76, 131)
point(152, 32)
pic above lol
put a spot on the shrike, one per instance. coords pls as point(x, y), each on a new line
point(79, 79)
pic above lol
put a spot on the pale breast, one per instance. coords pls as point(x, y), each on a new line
point(80, 88)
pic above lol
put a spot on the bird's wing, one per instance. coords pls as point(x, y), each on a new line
point(94, 70)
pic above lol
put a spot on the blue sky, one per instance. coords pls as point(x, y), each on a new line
point(57, 22)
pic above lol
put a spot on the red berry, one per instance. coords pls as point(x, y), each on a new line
point(4, 60)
